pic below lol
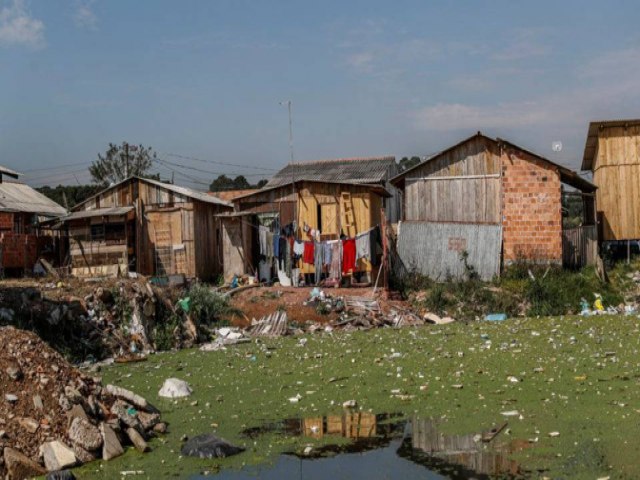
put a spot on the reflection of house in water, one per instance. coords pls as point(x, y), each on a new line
point(467, 451)
point(349, 425)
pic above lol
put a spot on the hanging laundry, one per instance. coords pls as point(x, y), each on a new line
point(307, 256)
point(348, 255)
point(276, 245)
point(327, 253)
point(375, 243)
point(269, 240)
point(335, 270)
point(298, 248)
point(318, 261)
point(287, 259)
point(282, 251)
point(363, 247)
point(262, 238)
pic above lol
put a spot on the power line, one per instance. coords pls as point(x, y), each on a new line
point(251, 167)
point(200, 170)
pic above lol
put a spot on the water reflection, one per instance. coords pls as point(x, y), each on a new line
point(383, 446)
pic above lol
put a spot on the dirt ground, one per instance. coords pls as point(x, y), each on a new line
point(255, 303)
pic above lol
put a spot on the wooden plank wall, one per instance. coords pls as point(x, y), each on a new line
point(207, 232)
point(366, 208)
point(616, 172)
point(433, 193)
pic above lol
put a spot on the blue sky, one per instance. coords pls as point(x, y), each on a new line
point(203, 79)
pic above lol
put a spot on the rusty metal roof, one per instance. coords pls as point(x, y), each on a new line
point(19, 197)
point(592, 138)
point(355, 170)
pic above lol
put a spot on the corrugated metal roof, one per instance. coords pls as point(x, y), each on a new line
point(9, 172)
point(592, 138)
point(187, 192)
point(19, 197)
point(356, 170)
point(373, 187)
point(98, 212)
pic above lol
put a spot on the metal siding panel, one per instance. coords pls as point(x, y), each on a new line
point(426, 247)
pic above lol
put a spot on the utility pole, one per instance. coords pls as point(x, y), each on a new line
point(293, 177)
point(288, 104)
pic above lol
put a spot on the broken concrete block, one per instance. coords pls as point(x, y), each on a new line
point(57, 456)
point(111, 447)
point(76, 412)
point(137, 440)
point(148, 420)
point(130, 397)
point(84, 434)
point(20, 466)
point(29, 424)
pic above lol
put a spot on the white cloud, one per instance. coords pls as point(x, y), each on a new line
point(84, 16)
point(18, 27)
point(362, 61)
point(522, 44)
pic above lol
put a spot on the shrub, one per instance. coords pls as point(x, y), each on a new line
point(207, 306)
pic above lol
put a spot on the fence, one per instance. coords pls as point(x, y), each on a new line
point(436, 249)
point(579, 246)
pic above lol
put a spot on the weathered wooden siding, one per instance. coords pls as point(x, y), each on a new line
point(206, 232)
point(320, 201)
point(461, 185)
point(579, 246)
point(616, 172)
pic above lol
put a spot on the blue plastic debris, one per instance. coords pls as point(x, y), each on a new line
point(496, 317)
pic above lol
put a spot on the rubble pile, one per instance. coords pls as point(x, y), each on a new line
point(53, 417)
point(98, 322)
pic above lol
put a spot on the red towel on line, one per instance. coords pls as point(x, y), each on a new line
point(348, 255)
point(308, 255)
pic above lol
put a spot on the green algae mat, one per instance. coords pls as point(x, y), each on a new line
point(568, 388)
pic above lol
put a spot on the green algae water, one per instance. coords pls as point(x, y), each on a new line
point(567, 389)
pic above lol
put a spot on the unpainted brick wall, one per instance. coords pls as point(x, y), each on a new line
point(6, 221)
point(531, 209)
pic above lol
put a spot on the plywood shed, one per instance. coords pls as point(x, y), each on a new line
point(21, 209)
point(149, 227)
point(505, 203)
point(612, 153)
point(333, 207)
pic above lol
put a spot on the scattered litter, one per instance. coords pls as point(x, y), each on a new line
point(274, 325)
point(510, 413)
point(175, 388)
point(496, 317)
point(209, 446)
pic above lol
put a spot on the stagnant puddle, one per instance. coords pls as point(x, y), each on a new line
point(381, 447)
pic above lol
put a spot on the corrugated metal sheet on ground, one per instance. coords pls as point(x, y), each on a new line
point(434, 249)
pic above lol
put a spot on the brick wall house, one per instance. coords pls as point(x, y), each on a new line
point(531, 208)
point(503, 202)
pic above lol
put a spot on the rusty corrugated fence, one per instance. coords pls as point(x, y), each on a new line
point(435, 249)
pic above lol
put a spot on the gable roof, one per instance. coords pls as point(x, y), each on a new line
point(568, 176)
point(592, 138)
point(373, 187)
point(187, 192)
point(355, 170)
point(19, 197)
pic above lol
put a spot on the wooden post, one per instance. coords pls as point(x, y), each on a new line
point(385, 255)
point(628, 252)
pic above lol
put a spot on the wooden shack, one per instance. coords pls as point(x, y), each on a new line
point(21, 210)
point(334, 208)
point(490, 200)
point(145, 226)
point(612, 153)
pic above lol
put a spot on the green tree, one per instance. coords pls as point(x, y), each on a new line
point(69, 195)
point(122, 161)
point(406, 163)
point(223, 183)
